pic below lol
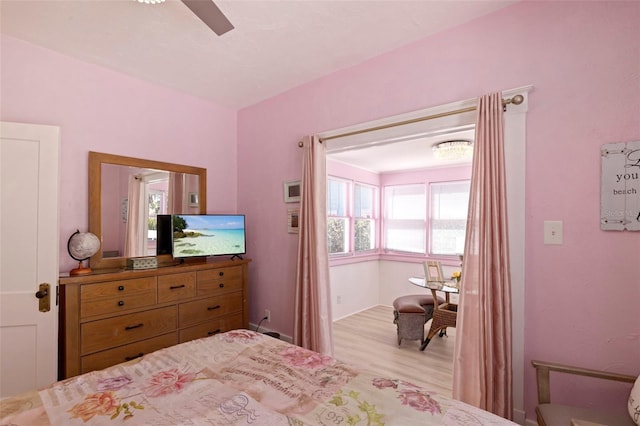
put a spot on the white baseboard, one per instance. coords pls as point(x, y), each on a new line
point(531, 422)
point(283, 337)
point(519, 416)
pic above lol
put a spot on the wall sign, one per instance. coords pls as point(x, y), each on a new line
point(620, 187)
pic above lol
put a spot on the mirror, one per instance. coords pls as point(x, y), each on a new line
point(126, 193)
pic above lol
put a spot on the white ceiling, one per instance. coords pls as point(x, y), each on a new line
point(276, 45)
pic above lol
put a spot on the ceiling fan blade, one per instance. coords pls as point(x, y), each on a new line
point(209, 13)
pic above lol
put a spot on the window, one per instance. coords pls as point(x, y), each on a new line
point(405, 215)
point(351, 216)
point(156, 207)
point(364, 215)
point(337, 216)
point(448, 217)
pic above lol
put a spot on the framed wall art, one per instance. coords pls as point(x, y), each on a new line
point(194, 199)
point(292, 191)
point(293, 221)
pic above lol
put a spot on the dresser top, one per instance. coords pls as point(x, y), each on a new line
point(99, 275)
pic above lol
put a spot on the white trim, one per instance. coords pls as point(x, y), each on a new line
point(515, 160)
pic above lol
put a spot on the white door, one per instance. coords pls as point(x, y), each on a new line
point(29, 156)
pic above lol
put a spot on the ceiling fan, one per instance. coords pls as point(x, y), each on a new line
point(210, 14)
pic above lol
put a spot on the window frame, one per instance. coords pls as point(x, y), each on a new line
point(350, 218)
point(375, 207)
point(346, 218)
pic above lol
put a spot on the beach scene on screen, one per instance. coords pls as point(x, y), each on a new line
point(209, 236)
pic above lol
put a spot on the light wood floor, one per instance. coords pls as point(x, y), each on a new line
point(369, 339)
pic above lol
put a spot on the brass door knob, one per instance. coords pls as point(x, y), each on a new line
point(44, 299)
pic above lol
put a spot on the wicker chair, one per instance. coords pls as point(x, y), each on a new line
point(549, 414)
point(445, 313)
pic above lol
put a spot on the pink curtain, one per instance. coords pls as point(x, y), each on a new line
point(138, 212)
point(482, 358)
point(312, 328)
point(177, 197)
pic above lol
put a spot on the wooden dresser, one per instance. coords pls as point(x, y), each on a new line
point(111, 317)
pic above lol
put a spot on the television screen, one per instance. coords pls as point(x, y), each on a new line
point(208, 235)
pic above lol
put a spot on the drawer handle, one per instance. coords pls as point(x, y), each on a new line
point(221, 273)
point(174, 287)
point(221, 285)
point(211, 333)
point(120, 302)
point(211, 308)
point(120, 288)
point(129, 358)
point(131, 327)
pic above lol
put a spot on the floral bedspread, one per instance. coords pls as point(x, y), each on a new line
point(238, 378)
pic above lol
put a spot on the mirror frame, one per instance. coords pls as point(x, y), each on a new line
point(96, 160)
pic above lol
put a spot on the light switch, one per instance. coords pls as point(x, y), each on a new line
point(553, 232)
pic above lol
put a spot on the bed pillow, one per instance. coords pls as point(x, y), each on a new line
point(634, 402)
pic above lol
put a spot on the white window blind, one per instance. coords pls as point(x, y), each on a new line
point(405, 213)
point(448, 217)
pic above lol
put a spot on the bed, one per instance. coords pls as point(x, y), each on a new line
point(237, 378)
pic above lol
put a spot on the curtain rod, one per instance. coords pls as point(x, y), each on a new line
point(516, 100)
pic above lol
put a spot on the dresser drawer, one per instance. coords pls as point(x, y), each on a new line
point(104, 359)
point(209, 328)
point(209, 308)
point(116, 296)
point(176, 287)
point(116, 288)
point(220, 280)
point(112, 332)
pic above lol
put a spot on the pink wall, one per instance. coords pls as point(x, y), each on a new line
point(582, 59)
point(339, 169)
point(428, 175)
point(100, 110)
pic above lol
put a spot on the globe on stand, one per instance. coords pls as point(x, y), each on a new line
point(81, 246)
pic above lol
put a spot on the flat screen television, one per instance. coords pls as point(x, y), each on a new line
point(201, 235)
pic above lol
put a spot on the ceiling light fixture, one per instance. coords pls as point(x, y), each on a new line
point(151, 1)
point(453, 150)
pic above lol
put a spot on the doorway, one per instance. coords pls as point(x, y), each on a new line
point(515, 137)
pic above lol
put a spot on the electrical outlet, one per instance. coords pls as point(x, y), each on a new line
point(267, 315)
